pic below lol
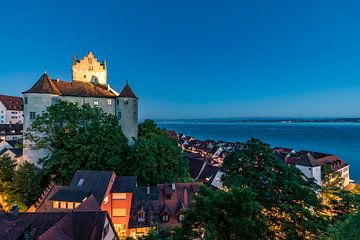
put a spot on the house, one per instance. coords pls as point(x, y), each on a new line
point(11, 111)
point(118, 196)
point(145, 210)
point(311, 163)
point(89, 85)
point(14, 153)
point(87, 221)
point(11, 132)
point(174, 199)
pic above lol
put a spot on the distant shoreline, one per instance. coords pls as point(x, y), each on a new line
point(266, 120)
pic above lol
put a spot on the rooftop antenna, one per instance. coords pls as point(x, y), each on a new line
point(45, 70)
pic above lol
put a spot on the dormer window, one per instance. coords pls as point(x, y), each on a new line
point(141, 216)
point(165, 218)
point(181, 217)
point(80, 183)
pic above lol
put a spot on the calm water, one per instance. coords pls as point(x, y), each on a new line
point(342, 139)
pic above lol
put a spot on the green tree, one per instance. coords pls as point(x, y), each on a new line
point(22, 186)
point(157, 158)
point(234, 214)
point(348, 229)
point(340, 202)
point(289, 200)
point(149, 127)
point(7, 169)
point(79, 137)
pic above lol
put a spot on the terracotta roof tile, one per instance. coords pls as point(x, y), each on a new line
point(12, 103)
point(62, 88)
point(127, 92)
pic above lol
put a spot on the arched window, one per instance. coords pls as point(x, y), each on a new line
point(94, 80)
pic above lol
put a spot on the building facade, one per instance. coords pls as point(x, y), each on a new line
point(11, 111)
point(89, 85)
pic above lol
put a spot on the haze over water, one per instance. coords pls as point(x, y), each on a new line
point(341, 139)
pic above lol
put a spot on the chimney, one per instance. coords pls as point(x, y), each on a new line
point(148, 190)
point(14, 211)
point(173, 187)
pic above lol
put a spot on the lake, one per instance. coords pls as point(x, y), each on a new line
point(341, 139)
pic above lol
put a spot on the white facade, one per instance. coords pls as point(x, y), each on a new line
point(311, 172)
point(10, 116)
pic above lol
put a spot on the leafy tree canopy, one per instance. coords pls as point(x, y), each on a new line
point(157, 158)
point(234, 214)
point(79, 137)
point(289, 199)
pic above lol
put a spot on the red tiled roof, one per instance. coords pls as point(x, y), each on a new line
point(127, 92)
point(62, 88)
point(12, 103)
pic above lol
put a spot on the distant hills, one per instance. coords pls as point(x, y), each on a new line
point(267, 120)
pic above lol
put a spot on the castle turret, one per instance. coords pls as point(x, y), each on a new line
point(127, 113)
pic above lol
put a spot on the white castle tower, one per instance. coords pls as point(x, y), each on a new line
point(127, 113)
point(89, 86)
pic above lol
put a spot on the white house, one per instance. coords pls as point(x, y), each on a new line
point(11, 110)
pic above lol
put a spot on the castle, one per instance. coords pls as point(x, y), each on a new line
point(89, 86)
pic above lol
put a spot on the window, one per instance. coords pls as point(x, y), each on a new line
point(119, 212)
point(109, 102)
point(117, 101)
point(26, 100)
point(181, 217)
point(119, 196)
point(32, 115)
point(141, 216)
point(165, 218)
point(106, 199)
point(2, 116)
point(135, 116)
point(90, 60)
point(84, 76)
point(80, 183)
point(62, 204)
point(38, 100)
point(77, 204)
point(56, 204)
point(126, 101)
point(70, 205)
point(119, 115)
point(91, 68)
point(96, 103)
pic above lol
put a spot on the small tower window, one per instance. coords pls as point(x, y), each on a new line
point(117, 101)
point(32, 115)
point(119, 115)
point(26, 100)
point(126, 101)
point(109, 101)
point(96, 103)
point(181, 217)
point(165, 218)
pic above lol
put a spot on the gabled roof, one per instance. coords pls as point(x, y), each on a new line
point(127, 92)
point(124, 184)
point(82, 89)
point(12, 103)
point(13, 228)
point(148, 203)
point(78, 225)
point(94, 182)
point(70, 194)
point(44, 85)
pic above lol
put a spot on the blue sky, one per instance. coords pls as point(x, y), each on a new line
point(195, 59)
